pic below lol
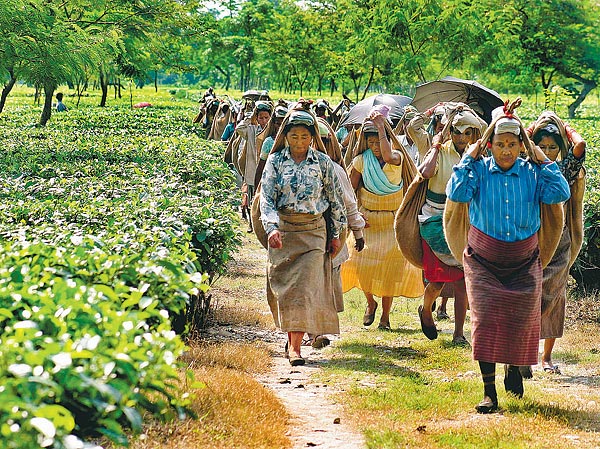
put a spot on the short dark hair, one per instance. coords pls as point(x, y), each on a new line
point(550, 132)
point(59, 96)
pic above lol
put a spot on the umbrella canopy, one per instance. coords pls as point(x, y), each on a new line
point(456, 89)
point(256, 95)
point(361, 110)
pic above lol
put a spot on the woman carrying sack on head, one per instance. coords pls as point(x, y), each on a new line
point(356, 222)
point(439, 266)
point(249, 129)
point(562, 144)
point(380, 175)
point(298, 186)
point(266, 139)
point(502, 263)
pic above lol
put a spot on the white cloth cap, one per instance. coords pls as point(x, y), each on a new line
point(507, 125)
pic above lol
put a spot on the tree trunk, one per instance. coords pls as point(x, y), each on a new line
point(227, 75)
point(356, 81)
point(332, 86)
point(242, 77)
point(320, 84)
point(546, 85)
point(370, 80)
point(36, 96)
point(47, 111)
point(104, 87)
point(7, 88)
point(156, 81)
point(588, 86)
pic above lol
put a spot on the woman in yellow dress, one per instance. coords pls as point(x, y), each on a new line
point(379, 176)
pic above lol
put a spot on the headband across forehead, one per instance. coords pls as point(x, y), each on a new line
point(301, 117)
point(298, 116)
point(263, 106)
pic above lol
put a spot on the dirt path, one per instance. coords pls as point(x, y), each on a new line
point(317, 420)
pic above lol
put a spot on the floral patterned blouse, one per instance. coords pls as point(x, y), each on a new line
point(570, 166)
point(308, 187)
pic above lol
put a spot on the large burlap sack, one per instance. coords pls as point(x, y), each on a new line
point(228, 155)
point(406, 223)
point(456, 227)
point(257, 225)
point(574, 216)
point(551, 227)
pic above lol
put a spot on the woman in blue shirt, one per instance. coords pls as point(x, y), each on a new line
point(503, 270)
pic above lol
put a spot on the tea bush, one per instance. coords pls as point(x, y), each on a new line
point(112, 222)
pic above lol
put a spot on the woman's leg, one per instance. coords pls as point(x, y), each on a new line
point(442, 312)
point(295, 343)
point(432, 291)
point(513, 380)
point(386, 307)
point(371, 303)
point(369, 315)
point(490, 397)
point(460, 308)
point(547, 355)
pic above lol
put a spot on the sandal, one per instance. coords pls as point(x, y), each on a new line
point(487, 405)
point(384, 326)
point(461, 341)
point(429, 331)
point(442, 315)
point(297, 361)
point(320, 341)
point(552, 369)
point(368, 318)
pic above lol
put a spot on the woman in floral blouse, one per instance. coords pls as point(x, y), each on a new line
point(298, 186)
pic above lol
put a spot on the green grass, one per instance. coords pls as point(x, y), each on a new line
point(403, 390)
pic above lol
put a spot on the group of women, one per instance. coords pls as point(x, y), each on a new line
point(498, 220)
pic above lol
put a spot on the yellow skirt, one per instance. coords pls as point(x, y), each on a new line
point(380, 268)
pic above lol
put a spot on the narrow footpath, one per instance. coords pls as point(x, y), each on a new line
point(316, 419)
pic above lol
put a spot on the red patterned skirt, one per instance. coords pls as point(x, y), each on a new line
point(504, 287)
point(437, 271)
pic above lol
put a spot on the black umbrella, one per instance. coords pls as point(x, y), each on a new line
point(456, 89)
point(256, 95)
point(361, 110)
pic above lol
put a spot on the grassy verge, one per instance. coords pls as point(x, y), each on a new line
point(403, 390)
point(233, 410)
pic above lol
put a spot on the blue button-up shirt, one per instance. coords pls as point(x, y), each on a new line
point(506, 204)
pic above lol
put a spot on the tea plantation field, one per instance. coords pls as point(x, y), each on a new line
point(112, 223)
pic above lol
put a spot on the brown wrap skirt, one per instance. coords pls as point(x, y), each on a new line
point(554, 289)
point(504, 287)
point(299, 277)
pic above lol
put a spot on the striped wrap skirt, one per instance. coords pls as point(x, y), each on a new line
point(504, 287)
